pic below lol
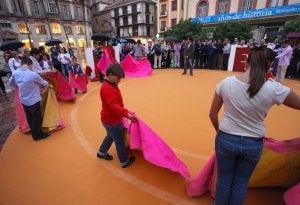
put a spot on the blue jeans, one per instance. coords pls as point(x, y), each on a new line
point(115, 134)
point(64, 70)
point(188, 63)
point(237, 157)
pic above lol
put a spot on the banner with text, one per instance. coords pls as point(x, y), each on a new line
point(259, 13)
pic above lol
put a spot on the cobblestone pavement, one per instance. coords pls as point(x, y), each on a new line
point(7, 113)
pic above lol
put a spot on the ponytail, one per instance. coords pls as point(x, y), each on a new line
point(259, 60)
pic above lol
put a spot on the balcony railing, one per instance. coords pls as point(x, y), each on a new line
point(66, 17)
point(4, 12)
point(53, 15)
point(163, 29)
point(163, 13)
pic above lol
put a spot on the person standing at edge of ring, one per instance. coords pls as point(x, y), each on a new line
point(247, 98)
point(30, 84)
point(111, 115)
point(189, 52)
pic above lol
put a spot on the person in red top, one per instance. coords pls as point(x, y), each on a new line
point(111, 115)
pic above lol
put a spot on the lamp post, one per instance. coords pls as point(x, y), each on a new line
point(22, 8)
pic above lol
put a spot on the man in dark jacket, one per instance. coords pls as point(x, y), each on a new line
point(188, 53)
point(211, 55)
point(197, 54)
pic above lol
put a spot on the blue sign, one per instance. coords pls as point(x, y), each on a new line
point(259, 13)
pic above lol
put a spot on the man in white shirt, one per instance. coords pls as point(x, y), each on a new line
point(226, 53)
point(36, 67)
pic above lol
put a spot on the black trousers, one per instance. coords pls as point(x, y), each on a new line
point(225, 61)
point(2, 84)
point(197, 60)
point(34, 118)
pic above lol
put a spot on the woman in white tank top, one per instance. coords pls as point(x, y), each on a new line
point(247, 98)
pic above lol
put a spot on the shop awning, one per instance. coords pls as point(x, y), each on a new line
point(8, 35)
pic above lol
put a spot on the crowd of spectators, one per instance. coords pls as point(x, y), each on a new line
point(214, 54)
point(207, 54)
point(43, 62)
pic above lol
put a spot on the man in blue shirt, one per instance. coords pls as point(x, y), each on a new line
point(30, 83)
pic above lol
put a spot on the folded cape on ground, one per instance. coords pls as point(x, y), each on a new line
point(60, 85)
point(136, 69)
point(79, 82)
point(52, 119)
point(154, 149)
point(279, 166)
point(132, 68)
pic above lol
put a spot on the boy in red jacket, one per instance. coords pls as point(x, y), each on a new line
point(111, 115)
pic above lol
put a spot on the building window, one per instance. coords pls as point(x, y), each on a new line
point(68, 29)
point(22, 28)
point(134, 19)
point(147, 18)
point(16, 6)
point(55, 29)
point(133, 8)
point(223, 6)
point(135, 30)
point(118, 32)
point(5, 25)
point(77, 12)
point(147, 8)
point(80, 30)
point(247, 5)
point(148, 31)
point(125, 21)
point(173, 22)
point(65, 11)
point(163, 26)
point(126, 32)
point(174, 5)
point(124, 9)
point(35, 7)
point(117, 23)
point(274, 3)
point(51, 7)
point(40, 29)
point(163, 11)
point(88, 14)
point(203, 9)
point(116, 12)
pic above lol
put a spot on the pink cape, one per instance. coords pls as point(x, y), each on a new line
point(204, 180)
point(154, 149)
point(52, 119)
point(104, 62)
point(79, 83)
point(292, 196)
point(20, 114)
point(64, 90)
point(132, 68)
point(136, 69)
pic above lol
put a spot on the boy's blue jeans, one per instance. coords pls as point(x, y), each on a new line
point(237, 157)
point(115, 134)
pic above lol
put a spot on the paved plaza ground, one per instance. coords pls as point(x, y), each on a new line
point(64, 169)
